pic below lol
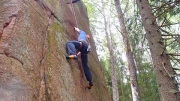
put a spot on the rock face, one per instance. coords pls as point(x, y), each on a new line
point(33, 34)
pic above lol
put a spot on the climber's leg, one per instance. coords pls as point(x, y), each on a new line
point(71, 48)
point(84, 60)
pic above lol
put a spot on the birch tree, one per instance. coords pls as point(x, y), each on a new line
point(129, 54)
point(112, 61)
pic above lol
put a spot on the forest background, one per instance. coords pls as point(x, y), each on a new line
point(114, 45)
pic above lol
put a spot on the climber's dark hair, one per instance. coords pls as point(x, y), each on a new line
point(73, 1)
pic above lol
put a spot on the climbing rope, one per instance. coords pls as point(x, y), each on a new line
point(74, 14)
point(79, 62)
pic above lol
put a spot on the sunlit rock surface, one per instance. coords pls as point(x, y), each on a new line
point(33, 34)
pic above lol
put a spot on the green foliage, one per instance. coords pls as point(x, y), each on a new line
point(123, 80)
point(167, 12)
point(105, 66)
point(125, 92)
point(147, 83)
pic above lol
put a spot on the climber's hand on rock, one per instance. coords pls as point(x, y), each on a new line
point(78, 54)
point(77, 29)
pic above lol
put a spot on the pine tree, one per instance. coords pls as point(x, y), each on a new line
point(161, 61)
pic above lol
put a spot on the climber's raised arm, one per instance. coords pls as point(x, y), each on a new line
point(76, 29)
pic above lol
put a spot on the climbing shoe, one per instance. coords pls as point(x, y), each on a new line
point(71, 57)
point(90, 85)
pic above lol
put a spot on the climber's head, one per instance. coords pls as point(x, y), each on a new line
point(88, 37)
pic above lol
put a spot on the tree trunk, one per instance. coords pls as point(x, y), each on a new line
point(112, 61)
point(129, 54)
point(162, 66)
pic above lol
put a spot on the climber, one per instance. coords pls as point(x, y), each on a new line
point(81, 45)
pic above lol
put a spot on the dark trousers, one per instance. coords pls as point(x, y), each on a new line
point(71, 48)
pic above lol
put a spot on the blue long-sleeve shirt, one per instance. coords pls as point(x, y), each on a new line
point(82, 36)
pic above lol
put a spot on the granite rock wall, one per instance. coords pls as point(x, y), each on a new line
point(33, 34)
